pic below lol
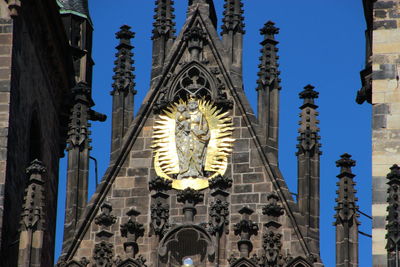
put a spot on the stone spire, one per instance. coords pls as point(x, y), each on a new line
point(308, 160)
point(233, 31)
point(393, 225)
point(346, 215)
point(33, 217)
point(268, 89)
point(123, 88)
point(163, 34)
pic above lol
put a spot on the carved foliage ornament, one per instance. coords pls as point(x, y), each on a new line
point(192, 142)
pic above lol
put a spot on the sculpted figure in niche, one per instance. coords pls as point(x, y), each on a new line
point(192, 136)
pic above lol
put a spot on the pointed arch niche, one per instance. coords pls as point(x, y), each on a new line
point(183, 242)
point(194, 79)
point(299, 262)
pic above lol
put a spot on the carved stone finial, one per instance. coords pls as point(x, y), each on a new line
point(309, 94)
point(125, 33)
point(164, 24)
point(268, 74)
point(190, 195)
point(159, 184)
point(105, 218)
point(233, 20)
point(220, 182)
point(245, 229)
point(269, 29)
point(273, 208)
point(124, 78)
point(132, 230)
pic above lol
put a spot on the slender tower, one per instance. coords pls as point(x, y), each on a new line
point(233, 32)
point(346, 215)
point(78, 26)
point(268, 89)
point(123, 88)
point(308, 160)
point(163, 35)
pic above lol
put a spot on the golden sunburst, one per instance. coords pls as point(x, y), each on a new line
point(166, 160)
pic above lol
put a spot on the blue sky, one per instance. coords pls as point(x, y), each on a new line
point(321, 43)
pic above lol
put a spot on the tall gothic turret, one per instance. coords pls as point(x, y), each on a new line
point(268, 88)
point(308, 158)
point(232, 33)
point(79, 29)
point(123, 88)
point(346, 215)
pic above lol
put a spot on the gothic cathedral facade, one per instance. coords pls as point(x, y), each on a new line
point(193, 178)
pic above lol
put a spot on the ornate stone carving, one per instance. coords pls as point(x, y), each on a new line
point(164, 24)
point(190, 198)
point(159, 217)
point(220, 182)
point(219, 213)
point(245, 229)
point(132, 230)
point(190, 195)
point(159, 184)
point(103, 254)
point(233, 20)
point(196, 39)
point(32, 215)
point(272, 246)
point(124, 78)
point(105, 218)
point(272, 208)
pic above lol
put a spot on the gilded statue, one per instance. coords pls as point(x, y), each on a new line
point(191, 136)
point(192, 140)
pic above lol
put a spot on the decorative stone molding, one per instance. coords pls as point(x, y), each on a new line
point(103, 254)
point(160, 184)
point(132, 230)
point(159, 217)
point(245, 229)
point(105, 218)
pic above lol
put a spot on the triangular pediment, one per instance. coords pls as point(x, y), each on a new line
point(196, 65)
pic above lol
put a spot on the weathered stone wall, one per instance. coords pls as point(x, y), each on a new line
point(32, 95)
point(386, 114)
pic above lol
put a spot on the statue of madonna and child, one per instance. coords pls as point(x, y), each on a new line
point(192, 136)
